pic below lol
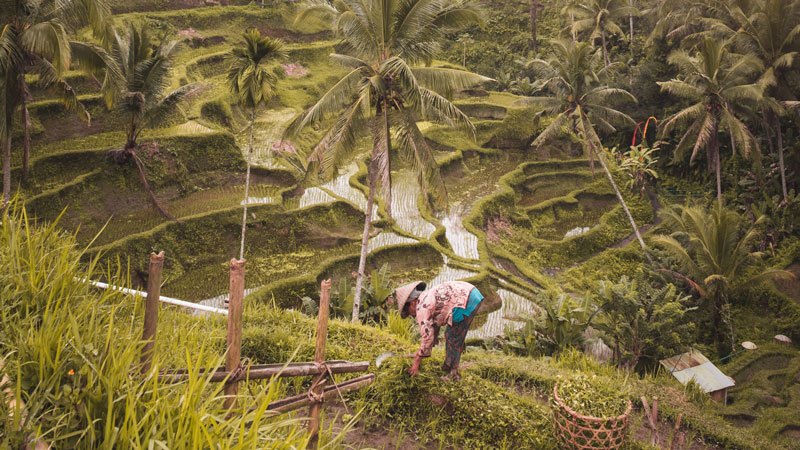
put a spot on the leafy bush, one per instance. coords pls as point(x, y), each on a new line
point(643, 321)
point(559, 328)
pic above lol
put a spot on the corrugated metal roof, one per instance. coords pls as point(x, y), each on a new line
point(684, 361)
point(707, 376)
point(693, 365)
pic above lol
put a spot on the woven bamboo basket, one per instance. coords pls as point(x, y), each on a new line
point(576, 431)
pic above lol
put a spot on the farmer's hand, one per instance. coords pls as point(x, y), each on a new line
point(414, 370)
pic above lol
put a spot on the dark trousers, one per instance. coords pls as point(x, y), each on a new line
point(455, 344)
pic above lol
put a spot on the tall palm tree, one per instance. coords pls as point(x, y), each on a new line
point(252, 81)
point(385, 92)
point(599, 18)
point(719, 85)
point(145, 67)
point(34, 39)
point(770, 29)
point(712, 249)
point(580, 102)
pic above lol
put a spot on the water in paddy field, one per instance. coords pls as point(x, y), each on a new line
point(340, 187)
point(511, 315)
point(386, 239)
point(405, 211)
point(464, 243)
point(315, 196)
point(449, 273)
point(269, 128)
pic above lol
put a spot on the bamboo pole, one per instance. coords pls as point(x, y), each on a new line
point(151, 309)
point(317, 388)
point(299, 401)
point(261, 372)
point(234, 353)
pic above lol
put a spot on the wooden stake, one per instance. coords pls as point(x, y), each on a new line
point(675, 433)
point(151, 309)
point(234, 353)
point(317, 387)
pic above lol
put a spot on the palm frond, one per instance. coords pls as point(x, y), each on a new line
point(412, 143)
point(336, 98)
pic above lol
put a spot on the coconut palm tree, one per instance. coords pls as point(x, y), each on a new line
point(253, 83)
point(385, 92)
point(580, 103)
point(599, 18)
point(718, 84)
point(145, 67)
point(712, 249)
point(34, 39)
point(770, 29)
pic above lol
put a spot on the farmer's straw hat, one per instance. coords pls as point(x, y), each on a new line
point(407, 292)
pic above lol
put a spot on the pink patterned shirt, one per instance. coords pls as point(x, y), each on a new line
point(435, 309)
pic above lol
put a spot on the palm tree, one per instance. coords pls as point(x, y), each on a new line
point(579, 101)
point(35, 39)
point(145, 68)
point(599, 18)
point(718, 84)
point(385, 93)
point(712, 249)
point(770, 29)
point(253, 83)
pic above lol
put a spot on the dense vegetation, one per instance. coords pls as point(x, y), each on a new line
point(619, 176)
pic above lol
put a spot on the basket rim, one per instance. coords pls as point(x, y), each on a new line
point(574, 413)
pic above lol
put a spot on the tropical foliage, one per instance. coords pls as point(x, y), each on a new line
point(253, 83)
point(718, 84)
point(712, 251)
point(36, 39)
point(145, 67)
point(642, 322)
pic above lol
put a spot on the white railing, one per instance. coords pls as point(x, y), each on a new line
point(171, 301)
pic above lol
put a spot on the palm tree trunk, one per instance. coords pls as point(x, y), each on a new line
point(146, 185)
point(717, 164)
point(605, 50)
point(534, 12)
point(7, 168)
point(781, 164)
point(26, 127)
point(247, 181)
point(624, 205)
point(362, 262)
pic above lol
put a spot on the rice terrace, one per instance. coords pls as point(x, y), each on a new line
point(400, 224)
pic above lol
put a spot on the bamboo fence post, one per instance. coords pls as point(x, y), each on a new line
point(234, 353)
point(317, 387)
point(151, 309)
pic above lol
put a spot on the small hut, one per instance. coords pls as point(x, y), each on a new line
point(693, 365)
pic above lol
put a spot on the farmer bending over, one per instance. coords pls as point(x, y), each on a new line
point(453, 303)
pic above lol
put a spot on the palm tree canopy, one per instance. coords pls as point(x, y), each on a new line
point(249, 77)
point(576, 81)
point(719, 85)
point(713, 247)
point(382, 41)
point(144, 66)
point(35, 36)
point(598, 16)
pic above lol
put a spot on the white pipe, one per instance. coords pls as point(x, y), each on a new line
point(171, 301)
